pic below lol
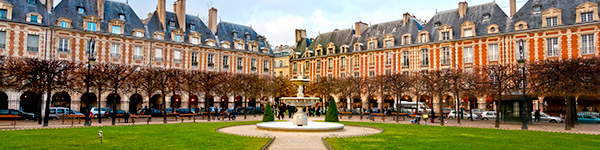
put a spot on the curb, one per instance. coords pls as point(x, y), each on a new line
point(272, 138)
point(324, 139)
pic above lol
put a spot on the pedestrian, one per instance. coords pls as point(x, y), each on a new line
point(126, 116)
point(537, 116)
point(425, 117)
point(319, 112)
point(432, 117)
point(281, 111)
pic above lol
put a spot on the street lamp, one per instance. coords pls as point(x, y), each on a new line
point(521, 64)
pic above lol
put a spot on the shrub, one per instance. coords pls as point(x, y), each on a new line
point(268, 116)
point(332, 113)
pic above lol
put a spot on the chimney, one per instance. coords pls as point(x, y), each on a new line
point(212, 20)
point(300, 34)
point(162, 13)
point(513, 8)
point(49, 4)
point(359, 27)
point(462, 8)
point(406, 18)
point(179, 9)
point(100, 8)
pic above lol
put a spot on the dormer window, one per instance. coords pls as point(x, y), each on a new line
point(423, 37)
point(406, 40)
point(468, 29)
point(247, 36)
point(587, 17)
point(239, 46)
point(234, 34)
point(80, 10)
point(468, 32)
point(437, 24)
point(492, 29)
point(3, 13)
point(551, 17)
point(31, 2)
point(159, 35)
point(139, 34)
point(172, 23)
point(446, 35)
point(586, 12)
point(537, 9)
point(486, 17)
point(210, 42)
point(178, 38)
point(192, 27)
point(63, 22)
point(34, 17)
point(195, 40)
point(116, 29)
point(552, 21)
point(122, 16)
point(225, 44)
point(371, 45)
point(521, 25)
point(116, 26)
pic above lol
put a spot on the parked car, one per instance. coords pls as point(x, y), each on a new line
point(119, 114)
point(151, 111)
point(57, 112)
point(447, 110)
point(587, 118)
point(478, 111)
point(453, 113)
point(22, 115)
point(487, 115)
point(547, 118)
point(102, 112)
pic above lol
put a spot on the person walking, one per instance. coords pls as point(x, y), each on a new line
point(425, 116)
point(281, 112)
point(537, 116)
point(432, 117)
point(126, 117)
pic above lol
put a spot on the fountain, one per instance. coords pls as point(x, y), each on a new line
point(300, 120)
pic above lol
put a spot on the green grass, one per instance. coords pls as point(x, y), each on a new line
point(171, 136)
point(403, 136)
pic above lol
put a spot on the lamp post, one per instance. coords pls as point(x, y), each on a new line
point(91, 61)
point(521, 64)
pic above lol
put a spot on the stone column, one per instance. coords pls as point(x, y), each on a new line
point(350, 103)
point(185, 101)
point(481, 102)
point(145, 101)
point(168, 101)
point(436, 104)
point(380, 102)
point(75, 101)
point(365, 102)
point(216, 102)
point(231, 102)
point(336, 99)
point(541, 99)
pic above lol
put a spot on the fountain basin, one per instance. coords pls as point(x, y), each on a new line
point(311, 126)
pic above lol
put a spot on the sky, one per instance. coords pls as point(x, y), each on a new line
point(278, 19)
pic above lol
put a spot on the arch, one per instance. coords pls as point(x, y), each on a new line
point(447, 102)
point(426, 100)
point(555, 106)
point(406, 98)
point(238, 102)
point(155, 102)
point(252, 102)
point(3, 100)
point(193, 102)
point(469, 101)
point(224, 103)
point(175, 101)
point(356, 102)
point(88, 101)
point(61, 99)
point(113, 101)
point(343, 103)
point(135, 103)
point(388, 102)
point(372, 102)
point(30, 102)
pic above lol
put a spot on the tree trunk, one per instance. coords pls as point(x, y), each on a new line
point(245, 103)
point(164, 106)
point(574, 120)
point(99, 105)
point(441, 109)
point(568, 116)
point(114, 107)
point(208, 106)
point(497, 124)
point(39, 107)
point(47, 109)
point(457, 116)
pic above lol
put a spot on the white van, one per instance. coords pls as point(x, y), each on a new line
point(56, 112)
point(413, 105)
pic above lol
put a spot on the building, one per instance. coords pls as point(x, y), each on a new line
point(282, 60)
point(466, 37)
point(34, 29)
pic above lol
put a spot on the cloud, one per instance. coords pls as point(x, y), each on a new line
point(280, 30)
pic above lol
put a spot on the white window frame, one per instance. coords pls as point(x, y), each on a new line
point(158, 54)
point(551, 21)
point(405, 59)
point(63, 45)
point(137, 53)
point(468, 32)
point(425, 57)
point(225, 62)
point(177, 56)
point(493, 53)
point(587, 44)
point(115, 50)
point(587, 16)
point(468, 54)
point(388, 58)
point(552, 47)
point(445, 56)
point(194, 59)
point(342, 62)
point(92, 26)
point(117, 31)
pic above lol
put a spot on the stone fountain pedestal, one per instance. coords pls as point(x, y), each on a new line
point(300, 118)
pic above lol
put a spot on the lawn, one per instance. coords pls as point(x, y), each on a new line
point(403, 136)
point(171, 136)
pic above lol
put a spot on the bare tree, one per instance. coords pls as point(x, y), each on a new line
point(499, 84)
point(399, 84)
point(438, 83)
point(207, 81)
point(358, 85)
point(117, 76)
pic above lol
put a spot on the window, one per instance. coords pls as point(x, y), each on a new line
point(33, 43)
point(159, 37)
point(2, 39)
point(171, 23)
point(115, 49)
point(356, 61)
point(446, 35)
point(139, 34)
point(91, 26)
point(253, 64)
point(177, 56)
point(424, 57)
point(266, 65)
point(318, 65)
point(80, 10)
point(64, 24)
point(468, 32)
point(486, 16)
point(405, 59)
point(445, 56)
point(178, 38)
point(3, 13)
point(371, 45)
point(518, 52)
point(388, 58)
point(158, 55)
point(32, 2)
point(343, 63)
point(33, 19)
point(192, 27)
point(195, 40)
point(423, 38)
point(194, 59)
point(587, 17)
point(492, 52)
point(371, 73)
point(587, 44)
point(357, 74)
point(330, 63)
point(388, 43)
point(294, 68)
point(552, 47)
point(209, 61)
point(306, 66)
point(551, 21)
point(63, 45)
point(116, 29)
point(537, 9)
point(122, 16)
point(468, 55)
point(239, 46)
point(280, 63)
point(406, 40)
point(137, 53)
point(225, 62)
point(239, 63)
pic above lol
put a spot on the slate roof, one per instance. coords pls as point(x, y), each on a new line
point(337, 37)
point(21, 8)
point(474, 14)
point(395, 28)
point(534, 20)
point(225, 32)
point(112, 10)
point(154, 25)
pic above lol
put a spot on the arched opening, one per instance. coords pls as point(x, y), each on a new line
point(61, 99)
point(388, 102)
point(3, 100)
point(193, 101)
point(343, 103)
point(586, 104)
point(238, 102)
point(135, 103)
point(406, 99)
point(155, 102)
point(224, 103)
point(210, 100)
point(489, 103)
point(175, 101)
point(447, 104)
point(356, 103)
point(88, 101)
point(113, 101)
point(426, 100)
point(469, 102)
point(372, 102)
point(252, 102)
point(30, 102)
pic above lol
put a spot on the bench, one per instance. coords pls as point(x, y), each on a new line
point(71, 118)
point(381, 115)
point(204, 114)
point(187, 115)
point(133, 117)
point(349, 114)
point(403, 115)
point(10, 118)
point(173, 115)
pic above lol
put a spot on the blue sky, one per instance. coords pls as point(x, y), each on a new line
point(277, 19)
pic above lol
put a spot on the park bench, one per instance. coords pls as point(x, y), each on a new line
point(345, 113)
point(72, 118)
point(204, 114)
point(381, 115)
point(187, 115)
point(133, 117)
point(10, 118)
point(403, 115)
point(173, 115)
